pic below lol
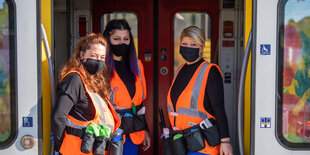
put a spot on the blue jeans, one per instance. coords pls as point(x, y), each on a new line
point(130, 148)
point(195, 153)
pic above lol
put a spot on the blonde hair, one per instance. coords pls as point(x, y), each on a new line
point(195, 33)
point(99, 82)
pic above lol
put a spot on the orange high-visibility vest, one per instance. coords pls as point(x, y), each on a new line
point(123, 100)
point(104, 115)
point(189, 108)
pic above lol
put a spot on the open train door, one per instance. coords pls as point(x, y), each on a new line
point(20, 82)
point(156, 26)
point(280, 77)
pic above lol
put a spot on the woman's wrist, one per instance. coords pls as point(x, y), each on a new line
point(225, 140)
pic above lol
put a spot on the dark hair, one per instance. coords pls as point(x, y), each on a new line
point(130, 57)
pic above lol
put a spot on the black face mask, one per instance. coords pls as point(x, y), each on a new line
point(94, 66)
point(189, 54)
point(119, 50)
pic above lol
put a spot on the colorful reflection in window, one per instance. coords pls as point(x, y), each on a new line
point(185, 19)
point(5, 103)
point(296, 72)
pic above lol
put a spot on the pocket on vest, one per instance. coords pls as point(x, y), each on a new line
point(179, 146)
point(115, 147)
point(167, 147)
point(139, 123)
point(100, 145)
point(87, 142)
point(212, 135)
point(127, 124)
point(195, 141)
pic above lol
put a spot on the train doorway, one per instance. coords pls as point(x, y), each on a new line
point(156, 26)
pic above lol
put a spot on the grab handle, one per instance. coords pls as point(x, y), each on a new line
point(49, 62)
point(241, 94)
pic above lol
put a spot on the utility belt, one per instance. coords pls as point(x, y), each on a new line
point(132, 119)
point(191, 139)
point(113, 145)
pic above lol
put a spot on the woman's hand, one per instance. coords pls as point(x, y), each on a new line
point(147, 141)
point(226, 148)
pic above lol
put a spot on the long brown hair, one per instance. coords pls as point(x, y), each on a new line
point(99, 82)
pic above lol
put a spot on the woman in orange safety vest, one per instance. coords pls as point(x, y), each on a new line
point(196, 94)
point(129, 86)
point(83, 96)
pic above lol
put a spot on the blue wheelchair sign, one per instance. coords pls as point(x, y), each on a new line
point(264, 49)
point(27, 122)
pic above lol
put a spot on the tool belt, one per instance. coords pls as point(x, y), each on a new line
point(131, 122)
point(75, 132)
point(192, 139)
point(100, 144)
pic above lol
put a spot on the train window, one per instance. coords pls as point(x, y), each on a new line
point(185, 19)
point(82, 26)
point(293, 121)
point(7, 73)
point(131, 19)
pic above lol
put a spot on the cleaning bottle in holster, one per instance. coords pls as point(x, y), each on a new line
point(118, 135)
point(133, 107)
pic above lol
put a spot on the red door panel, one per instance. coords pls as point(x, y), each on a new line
point(166, 12)
point(144, 11)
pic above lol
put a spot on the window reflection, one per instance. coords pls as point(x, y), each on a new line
point(296, 72)
point(5, 104)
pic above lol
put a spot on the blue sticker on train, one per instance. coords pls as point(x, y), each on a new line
point(265, 49)
point(27, 122)
point(265, 122)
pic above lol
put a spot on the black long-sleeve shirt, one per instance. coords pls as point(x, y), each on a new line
point(71, 99)
point(214, 94)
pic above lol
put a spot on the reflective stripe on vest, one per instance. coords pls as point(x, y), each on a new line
point(112, 97)
point(103, 120)
point(139, 72)
point(197, 86)
point(192, 111)
point(70, 123)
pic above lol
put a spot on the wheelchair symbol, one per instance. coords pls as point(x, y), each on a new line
point(265, 49)
point(27, 121)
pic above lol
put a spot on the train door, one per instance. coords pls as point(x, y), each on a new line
point(281, 81)
point(139, 14)
point(20, 72)
point(173, 17)
point(156, 26)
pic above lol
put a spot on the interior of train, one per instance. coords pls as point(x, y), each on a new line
point(274, 35)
